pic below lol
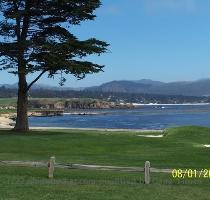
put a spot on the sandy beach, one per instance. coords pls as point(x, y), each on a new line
point(5, 121)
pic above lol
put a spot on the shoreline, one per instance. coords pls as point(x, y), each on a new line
point(6, 127)
point(5, 123)
point(99, 129)
point(172, 104)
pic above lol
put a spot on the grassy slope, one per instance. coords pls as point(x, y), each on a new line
point(181, 148)
point(5, 102)
point(8, 101)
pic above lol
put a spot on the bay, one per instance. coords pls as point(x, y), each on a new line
point(144, 117)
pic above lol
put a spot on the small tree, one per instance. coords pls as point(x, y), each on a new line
point(35, 37)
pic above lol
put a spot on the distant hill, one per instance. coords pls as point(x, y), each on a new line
point(145, 86)
point(125, 96)
point(43, 87)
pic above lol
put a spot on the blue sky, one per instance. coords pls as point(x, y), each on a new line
point(166, 40)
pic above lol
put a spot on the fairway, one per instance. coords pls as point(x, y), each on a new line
point(179, 148)
point(8, 101)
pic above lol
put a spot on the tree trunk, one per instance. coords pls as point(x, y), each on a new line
point(22, 105)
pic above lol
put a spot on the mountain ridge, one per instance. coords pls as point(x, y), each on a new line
point(199, 87)
point(146, 86)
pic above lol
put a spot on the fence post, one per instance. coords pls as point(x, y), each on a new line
point(51, 167)
point(147, 173)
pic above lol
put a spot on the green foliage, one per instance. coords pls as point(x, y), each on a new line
point(36, 37)
point(107, 96)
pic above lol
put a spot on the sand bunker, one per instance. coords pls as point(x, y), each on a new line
point(207, 145)
point(5, 122)
point(151, 136)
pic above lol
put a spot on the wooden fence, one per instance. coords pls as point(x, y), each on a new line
point(52, 165)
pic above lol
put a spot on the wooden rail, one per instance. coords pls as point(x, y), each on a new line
point(23, 164)
point(99, 167)
point(52, 165)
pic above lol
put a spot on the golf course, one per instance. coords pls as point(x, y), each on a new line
point(179, 148)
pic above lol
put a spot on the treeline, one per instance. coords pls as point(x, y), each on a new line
point(7, 92)
point(107, 96)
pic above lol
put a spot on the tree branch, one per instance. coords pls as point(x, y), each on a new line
point(35, 80)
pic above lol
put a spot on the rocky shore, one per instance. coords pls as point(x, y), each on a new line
point(76, 104)
point(45, 113)
point(59, 107)
point(8, 120)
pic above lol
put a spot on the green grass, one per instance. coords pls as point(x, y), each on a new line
point(8, 101)
point(180, 148)
point(7, 111)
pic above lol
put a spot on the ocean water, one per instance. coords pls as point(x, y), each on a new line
point(145, 117)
